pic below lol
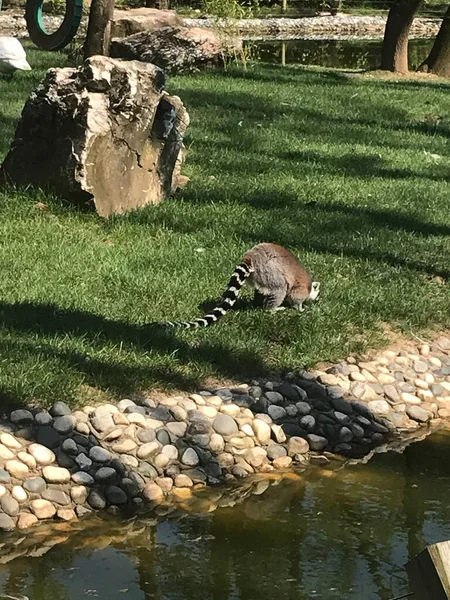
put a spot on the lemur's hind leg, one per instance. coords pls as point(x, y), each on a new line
point(274, 300)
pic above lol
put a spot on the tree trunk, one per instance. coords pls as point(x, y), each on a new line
point(395, 44)
point(438, 61)
point(99, 28)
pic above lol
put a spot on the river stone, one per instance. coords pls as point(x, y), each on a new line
point(409, 398)
point(437, 389)
point(124, 404)
point(56, 496)
point(153, 492)
point(345, 435)
point(147, 450)
point(129, 462)
point(317, 442)
point(96, 500)
point(308, 422)
point(225, 425)
point(170, 451)
point(124, 447)
point(146, 435)
point(36, 485)
point(177, 428)
point(66, 514)
point(105, 475)
point(379, 407)
point(56, 474)
point(256, 456)
point(26, 520)
point(114, 495)
point(274, 397)
point(103, 422)
point(17, 469)
point(5, 453)
point(216, 443)
point(64, 460)
point(70, 447)
point(147, 470)
point(292, 429)
point(262, 431)
point(43, 456)
point(43, 509)
point(182, 480)
point(160, 414)
point(163, 437)
point(79, 493)
point(276, 451)
point(276, 412)
point(99, 454)
point(19, 494)
point(342, 406)
point(297, 445)
point(420, 366)
point(6, 523)
point(64, 424)
point(10, 506)
point(47, 436)
point(82, 428)
point(83, 461)
point(303, 408)
point(165, 483)
point(278, 434)
point(10, 441)
point(417, 413)
point(4, 476)
point(190, 457)
point(21, 416)
point(60, 409)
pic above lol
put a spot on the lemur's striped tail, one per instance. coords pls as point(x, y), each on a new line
point(240, 274)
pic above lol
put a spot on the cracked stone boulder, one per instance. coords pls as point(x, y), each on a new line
point(104, 133)
point(178, 49)
point(130, 21)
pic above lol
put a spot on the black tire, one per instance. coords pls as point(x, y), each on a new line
point(62, 36)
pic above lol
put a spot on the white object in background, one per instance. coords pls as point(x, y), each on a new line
point(12, 56)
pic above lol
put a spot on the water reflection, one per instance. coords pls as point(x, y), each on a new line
point(359, 53)
point(329, 533)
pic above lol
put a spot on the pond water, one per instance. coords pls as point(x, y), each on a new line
point(329, 533)
point(361, 53)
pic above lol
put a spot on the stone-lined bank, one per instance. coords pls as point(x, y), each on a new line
point(63, 464)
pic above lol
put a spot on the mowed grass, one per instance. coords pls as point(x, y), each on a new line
point(350, 172)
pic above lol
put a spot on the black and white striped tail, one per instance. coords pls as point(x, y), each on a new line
point(240, 274)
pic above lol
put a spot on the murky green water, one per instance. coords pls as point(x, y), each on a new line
point(345, 54)
point(335, 534)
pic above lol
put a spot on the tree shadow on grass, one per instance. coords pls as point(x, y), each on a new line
point(42, 324)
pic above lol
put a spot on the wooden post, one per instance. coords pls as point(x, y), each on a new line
point(99, 28)
point(283, 54)
point(429, 573)
point(283, 6)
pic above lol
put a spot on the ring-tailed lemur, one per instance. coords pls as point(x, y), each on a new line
point(277, 276)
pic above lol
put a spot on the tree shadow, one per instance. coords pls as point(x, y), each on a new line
point(46, 326)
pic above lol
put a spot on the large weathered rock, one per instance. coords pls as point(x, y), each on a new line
point(177, 49)
point(135, 20)
point(106, 133)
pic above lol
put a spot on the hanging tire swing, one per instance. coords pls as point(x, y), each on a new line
point(63, 35)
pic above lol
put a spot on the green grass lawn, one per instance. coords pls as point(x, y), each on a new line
point(349, 172)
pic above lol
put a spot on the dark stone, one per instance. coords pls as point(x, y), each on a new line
point(6, 523)
point(130, 487)
point(48, 437)
point(197, 475)
point(118, 466)
point(290, 392)
point(225, 425)
point(146, 435)
point(26, 432)
point(96, 500)
point(225, 394)
point(133, 408)
point(147, 470)
point(274, 397)
point(35, 485)
point(199, 428)
point(160, 414)
point(43, 418)
point(212, 469)
point(99, 454)
point(137, 480)
point(56, 496)
point(239, 472)
point(83, 461)
point(60, 409)
point(64, 460)
point(291, 429)
point(308, 422)
point(163, 437)
point(313, 389)
point(342, 406)
point(81, 440)
point(82, 511)
point(21, 416)
point(64, 424)
point(10, 506)
point(172, 471)
point(105, 475)
point(261, 406)
point(243, 400)
point(255, 391)
point(70, 447)
point(114, 495)
point(362, 409)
